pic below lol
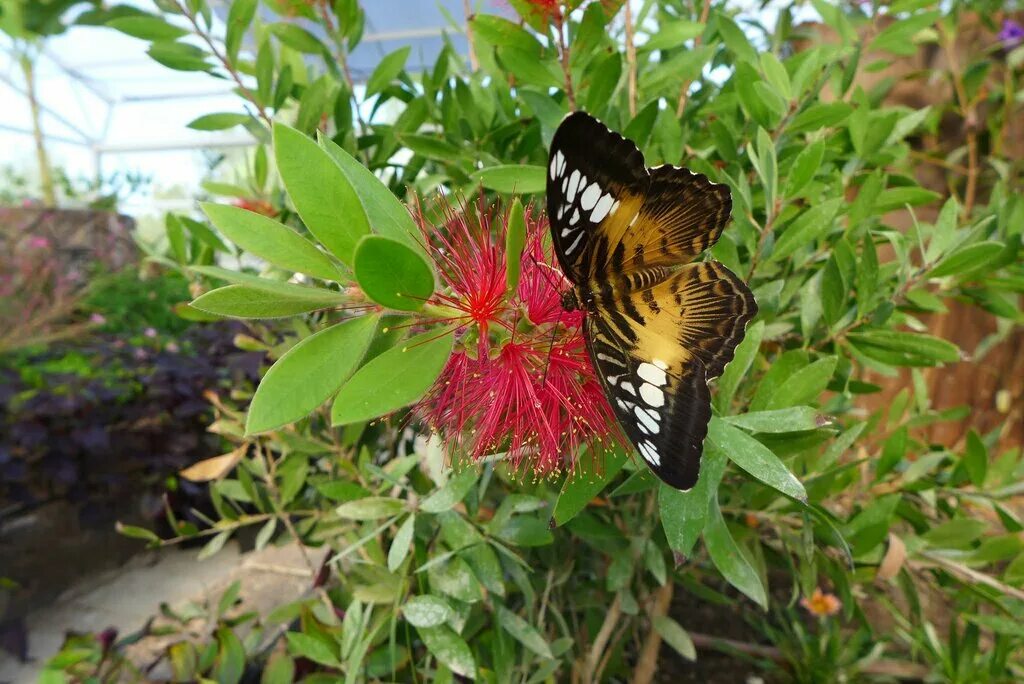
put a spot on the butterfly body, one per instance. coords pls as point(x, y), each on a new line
point(658, 325)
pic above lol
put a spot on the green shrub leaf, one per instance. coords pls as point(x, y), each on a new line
point(242, 301)
point(451, 493)
point(308, 646)
point(271, 241)
point(675, 636)
point(683, 514)
point(450, 649)
point(593, 473)
point(426, 611)
point(308, 374)
point(396, 378)
point(322, 195)
point(755, 458)
point(729, 559)
point(795, 419)
point(523, 632)
point(392, 274)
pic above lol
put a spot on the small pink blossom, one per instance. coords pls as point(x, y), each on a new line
point(97, 319)
point(150, 332)
point(39, 242)
point(172, 347)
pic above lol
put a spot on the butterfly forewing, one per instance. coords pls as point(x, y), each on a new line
point(658, 328)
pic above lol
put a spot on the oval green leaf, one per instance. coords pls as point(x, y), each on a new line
point(271, 241)
point(450, 649)
point(426, 611)
point(370, 508)
point(396, 378)
point(308, 374)
point(589, 479)
point(729, 559)
point(391, 274)
point(321, 193)
point(242, 301)
point(755, 458)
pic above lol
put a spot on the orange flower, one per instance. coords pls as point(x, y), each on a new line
point(821, 604)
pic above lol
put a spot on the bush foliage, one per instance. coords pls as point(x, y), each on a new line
point(873, 551)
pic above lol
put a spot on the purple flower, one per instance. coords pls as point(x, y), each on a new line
point(1012, 34)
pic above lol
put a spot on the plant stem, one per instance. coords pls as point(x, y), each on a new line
point(45, 176)
point(631, 58)
point(601, 641)
point(970, 117)
point(225, 62)
point(563, 53)
point(468, 11)
point(684, 90)
point(647, 664)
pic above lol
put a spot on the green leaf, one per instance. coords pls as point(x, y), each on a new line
point(147, 27)
point(499, 31)
point(967, 259)
point(218, 121)
point(230, 662)
point(242, 301)
point(683, 514)
point(675, 636)
point(529, 68)
point(327, 297)
point(380, 209)
point(308, 374)
point(735, 39)
point(903, 348)
point(820, 116)
point(512, 179)
point(806, 229)
point(603, 81)
point(430, 146)
point(976, 459)
point(449, 648)
point(515, 241)
point(392, 274)
point(671, 35)
point(526, 530)
point(804, 385)
point(793, 419)
point(271, 241)
point(755, 458)
point(898, 36)
point(400, 544)
point(136, 532)
point(804, 167)
point(298, 38)
point(426, 611)
point(587, 481)
point(388, 69)
point(370, 508)
point(451, 493)
point(240, 16)
point(523, 632)
point(314, 649)
point(396, 378)
point(322, 195)
point(179, 56)
point(729, 559)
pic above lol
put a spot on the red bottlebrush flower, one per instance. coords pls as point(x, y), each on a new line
point(519, 381)
point(547, 10)
point(257, 206)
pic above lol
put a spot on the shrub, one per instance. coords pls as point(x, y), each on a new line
point(805, 498)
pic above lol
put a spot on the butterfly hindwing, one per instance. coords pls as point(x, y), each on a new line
point(703, 307)
point(661, 402)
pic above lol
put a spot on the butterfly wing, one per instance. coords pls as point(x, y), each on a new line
point(655, 357)
point(611, 215)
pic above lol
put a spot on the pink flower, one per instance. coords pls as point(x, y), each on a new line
point(519, 381)
point(150, 332)
point(38, 242)
point(172, 347)
point(97, 319)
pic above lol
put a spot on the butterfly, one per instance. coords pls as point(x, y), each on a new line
point(658, 325)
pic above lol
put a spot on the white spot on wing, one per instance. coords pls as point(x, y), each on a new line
point(652, 395)
point(566, 231)
point(652, 374)
point(590, 196)
point(610, 359)
point(601, 208)
point(576, 242)
point(646, 420)
point(649, 452)
point(553, 171)
point(628, 386)
point(575, 217)
point(574, 182)
point(615, 208)
point(660, 364)
point(613, 379)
